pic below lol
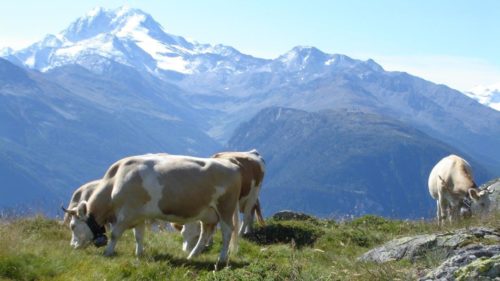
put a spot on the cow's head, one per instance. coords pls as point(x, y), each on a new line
point(84, 228)
point(480, 200)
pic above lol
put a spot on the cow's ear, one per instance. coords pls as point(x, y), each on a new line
point(71, 212)
point(474, 194)
point(81, 210)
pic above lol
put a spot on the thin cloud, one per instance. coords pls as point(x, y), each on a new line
point(461, 73)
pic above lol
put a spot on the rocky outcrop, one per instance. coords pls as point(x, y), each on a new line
point(415, 246)
point(468, 253)
point(474, 262)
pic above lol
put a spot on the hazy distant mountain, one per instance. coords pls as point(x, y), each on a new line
point(341, 162)
point(115, 83)
point(489, 96)
point(56, 139)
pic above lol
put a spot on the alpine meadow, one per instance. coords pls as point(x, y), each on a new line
point(327, 163)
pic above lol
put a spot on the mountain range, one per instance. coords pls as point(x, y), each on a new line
point(114, 83)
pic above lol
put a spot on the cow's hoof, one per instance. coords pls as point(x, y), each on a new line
point(221, 265)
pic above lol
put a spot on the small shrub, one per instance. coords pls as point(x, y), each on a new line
point(303, 233)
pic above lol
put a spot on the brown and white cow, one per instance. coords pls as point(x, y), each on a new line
point(174, 188)
point(252, 167)
point(450, 183)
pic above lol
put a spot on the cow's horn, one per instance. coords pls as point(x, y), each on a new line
point(64, 209)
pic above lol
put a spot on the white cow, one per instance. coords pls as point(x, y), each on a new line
point(174, 188)
point(450, 183)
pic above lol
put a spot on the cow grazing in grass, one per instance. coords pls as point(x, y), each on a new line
point(83, 193)
point(174, 188)
point(252, 167)
point(450, 183)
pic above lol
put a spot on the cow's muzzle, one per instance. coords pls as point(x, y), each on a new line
point(101, 240)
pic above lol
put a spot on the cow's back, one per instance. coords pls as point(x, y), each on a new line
point(251, 166)
point(83, 192)
point(452, 169)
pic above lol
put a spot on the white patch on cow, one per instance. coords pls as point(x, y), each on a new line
point(154, 189)
point(219, 191)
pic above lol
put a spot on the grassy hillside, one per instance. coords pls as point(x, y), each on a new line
point(38, 248)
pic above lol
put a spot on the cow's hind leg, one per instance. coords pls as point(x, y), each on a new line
point(248, 207)
point(139, 238)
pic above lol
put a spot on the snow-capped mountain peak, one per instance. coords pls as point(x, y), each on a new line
point(132, 37)
point(300, 55)
point(6, 51)
point(487, 95)
point(94, 22)
point(124, 35)
point(306, 58)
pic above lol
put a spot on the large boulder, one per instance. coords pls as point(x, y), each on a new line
point(416, 246)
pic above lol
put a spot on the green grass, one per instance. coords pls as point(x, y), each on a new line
point(38, 249)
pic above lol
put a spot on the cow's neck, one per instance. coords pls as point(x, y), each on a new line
point(100, 204)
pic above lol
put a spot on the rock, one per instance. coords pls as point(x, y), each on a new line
point(494, 186)
point(473, 262)
point(291, 215)
point(480, 269)
point(406, 247)
point(413, 247)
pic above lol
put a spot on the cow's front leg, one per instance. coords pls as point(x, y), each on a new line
point(438, 213)
point(139, 238)
point(443, 210)
point(116, 233)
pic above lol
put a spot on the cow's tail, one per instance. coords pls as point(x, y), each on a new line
point(233, 245)
point(258, 213)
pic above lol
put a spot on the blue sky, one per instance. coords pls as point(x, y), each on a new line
point(452, 42)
